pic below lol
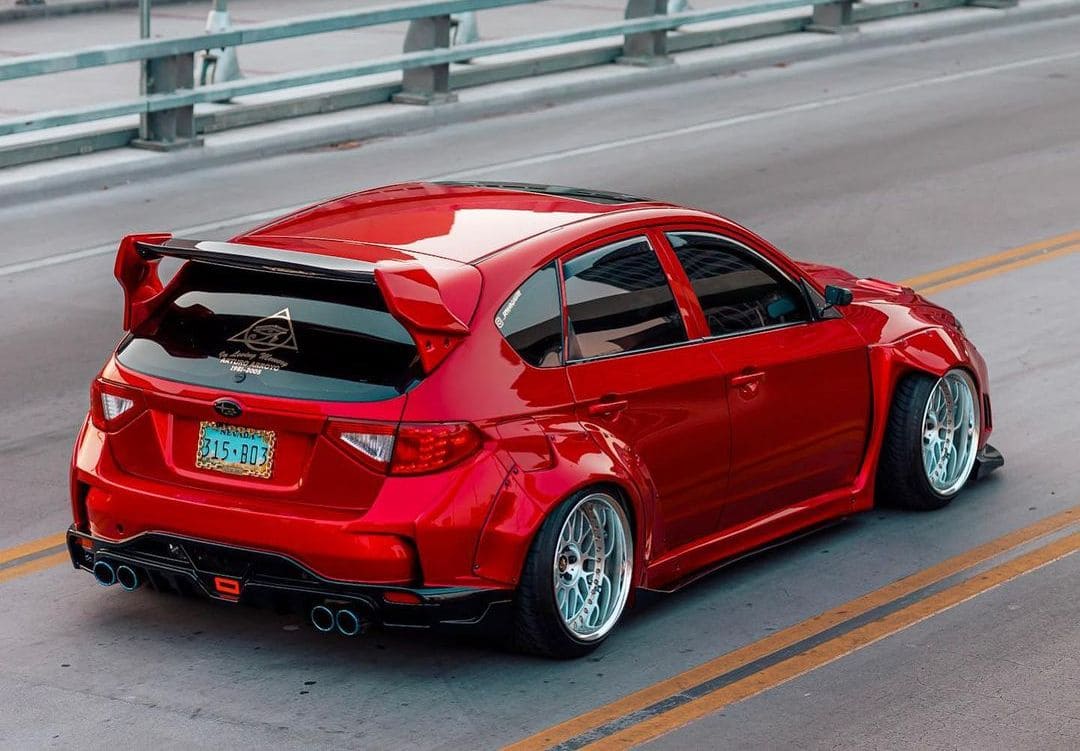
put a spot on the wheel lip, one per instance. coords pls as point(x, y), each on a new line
point(628, 560)
point(961, 479)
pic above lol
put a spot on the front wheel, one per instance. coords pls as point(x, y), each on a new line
point(931, 441)
point(576, 578)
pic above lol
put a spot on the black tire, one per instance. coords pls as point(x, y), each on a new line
point(901, 478)
point(538, 628)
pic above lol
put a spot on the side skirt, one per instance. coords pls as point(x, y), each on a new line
point(680, 567)
point(709, 570)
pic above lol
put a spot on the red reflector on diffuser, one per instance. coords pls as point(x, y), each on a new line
point(226, 586)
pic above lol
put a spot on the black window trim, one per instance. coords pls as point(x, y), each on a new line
point(631, 353)
point(613, 243)
point(784, 275)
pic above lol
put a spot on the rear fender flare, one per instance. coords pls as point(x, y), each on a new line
point(583, 459)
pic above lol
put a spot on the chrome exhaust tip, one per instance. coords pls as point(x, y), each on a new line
point(104, 573)
point(348, 623)
point(322, 618)
point(128, 578)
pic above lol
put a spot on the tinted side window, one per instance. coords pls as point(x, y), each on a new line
point(618, 300)
point(531, 319)
point(738, 291)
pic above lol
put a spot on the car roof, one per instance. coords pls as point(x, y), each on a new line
point(459, 221)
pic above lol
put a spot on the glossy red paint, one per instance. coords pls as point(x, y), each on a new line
point(716, 445)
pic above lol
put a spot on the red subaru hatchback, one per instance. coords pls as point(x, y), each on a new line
point(465, 403)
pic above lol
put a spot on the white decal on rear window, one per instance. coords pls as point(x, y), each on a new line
point(268, 334)
point(261, 338)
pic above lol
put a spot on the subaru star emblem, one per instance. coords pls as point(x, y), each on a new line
point(227, 408)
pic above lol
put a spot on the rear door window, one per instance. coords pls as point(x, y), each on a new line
point(275, 334)
point(618, 300)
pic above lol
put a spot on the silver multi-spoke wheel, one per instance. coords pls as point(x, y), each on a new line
point(950, 433)
point(593, 564)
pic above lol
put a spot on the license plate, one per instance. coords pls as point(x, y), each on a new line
point(235, 450)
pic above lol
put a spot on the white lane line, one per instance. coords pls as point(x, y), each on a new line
point(553, 156)
point(100, 250)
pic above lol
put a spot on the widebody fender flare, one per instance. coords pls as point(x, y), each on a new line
point(933, 351)
point(581, 457)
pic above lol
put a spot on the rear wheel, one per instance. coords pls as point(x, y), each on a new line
point(931, 441)
point(576, 578)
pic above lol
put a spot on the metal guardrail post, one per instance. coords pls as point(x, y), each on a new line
point(429, 84)
point(647, 47)
point(174, 128)
point(144, 33)
point(833, 18)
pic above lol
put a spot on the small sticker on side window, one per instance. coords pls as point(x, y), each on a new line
point(507, 309)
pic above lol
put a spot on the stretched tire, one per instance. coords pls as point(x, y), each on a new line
point(576, 578)
point(931, 441)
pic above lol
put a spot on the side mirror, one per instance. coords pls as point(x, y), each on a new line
point(837, 296)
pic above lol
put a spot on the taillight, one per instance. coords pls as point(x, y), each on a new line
point(112, 406)
point(411, 449)
point(421, 448)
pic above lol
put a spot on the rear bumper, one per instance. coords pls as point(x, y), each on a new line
point(190, 566)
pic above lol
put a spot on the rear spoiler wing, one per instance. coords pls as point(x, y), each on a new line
point(238, 256)
point(432, 300)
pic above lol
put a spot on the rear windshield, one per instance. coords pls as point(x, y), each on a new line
point(275, 334)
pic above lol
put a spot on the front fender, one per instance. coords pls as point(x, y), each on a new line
point(933, 351)
point(581, 459)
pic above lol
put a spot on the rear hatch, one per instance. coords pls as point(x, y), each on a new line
point(246, 370)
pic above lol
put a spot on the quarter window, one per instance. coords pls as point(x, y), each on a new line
point(618, 300)
point(738, 291)
point(531, 319)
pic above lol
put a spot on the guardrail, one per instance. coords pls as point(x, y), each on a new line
point(167, 111)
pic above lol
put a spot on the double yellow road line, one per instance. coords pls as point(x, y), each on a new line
point(995, 264)
point(32, 556)
point(670, 704)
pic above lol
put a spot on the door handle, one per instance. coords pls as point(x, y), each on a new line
point(747, 379)
point(606, 406)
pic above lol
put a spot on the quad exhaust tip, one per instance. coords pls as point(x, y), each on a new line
point(104, 573)
point(322, 618)
point(128, 578)
point(348, 623)
point(344, 620)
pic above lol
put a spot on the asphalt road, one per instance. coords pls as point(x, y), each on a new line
point(893, 163)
